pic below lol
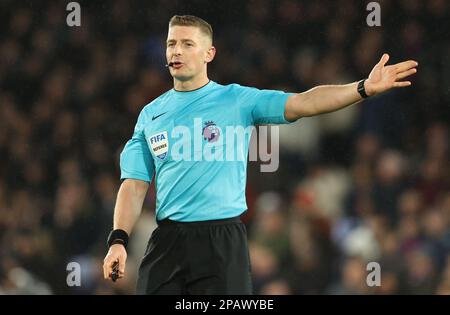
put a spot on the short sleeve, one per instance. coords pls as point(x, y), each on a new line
point(264, 106)
point(136, 161)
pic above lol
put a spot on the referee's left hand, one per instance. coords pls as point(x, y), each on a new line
point(383, 78)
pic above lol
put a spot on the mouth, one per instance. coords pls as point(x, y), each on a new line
point(176, 64)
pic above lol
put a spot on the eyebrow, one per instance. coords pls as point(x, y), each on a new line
point(181, 40)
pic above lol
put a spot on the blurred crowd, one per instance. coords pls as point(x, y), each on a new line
point(370, 183)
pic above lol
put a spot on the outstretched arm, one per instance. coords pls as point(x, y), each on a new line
point(329, 98)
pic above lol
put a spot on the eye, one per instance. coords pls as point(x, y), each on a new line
point(189, 44)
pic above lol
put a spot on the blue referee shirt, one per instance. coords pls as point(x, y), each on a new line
point(196, 144)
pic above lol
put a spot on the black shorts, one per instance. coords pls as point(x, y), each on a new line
point(208, 257)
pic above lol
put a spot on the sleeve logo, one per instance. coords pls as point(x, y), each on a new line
point(160, 144)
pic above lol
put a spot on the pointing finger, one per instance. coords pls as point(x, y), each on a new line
point(405, 65)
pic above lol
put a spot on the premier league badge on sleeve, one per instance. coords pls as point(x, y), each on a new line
point(160, 144)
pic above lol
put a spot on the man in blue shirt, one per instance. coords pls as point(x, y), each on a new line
point(194, 141)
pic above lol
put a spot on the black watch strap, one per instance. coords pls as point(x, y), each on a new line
point(361, 89)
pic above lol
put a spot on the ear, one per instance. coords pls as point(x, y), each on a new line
point(210, 54)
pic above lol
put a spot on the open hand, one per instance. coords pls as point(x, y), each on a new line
point(383, 78)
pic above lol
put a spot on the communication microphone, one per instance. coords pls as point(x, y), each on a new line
point(170, 64)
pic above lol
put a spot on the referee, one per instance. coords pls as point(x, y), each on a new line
point(200, 244)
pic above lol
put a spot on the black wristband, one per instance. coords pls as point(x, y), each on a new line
point(361, 89)
point(117, 237)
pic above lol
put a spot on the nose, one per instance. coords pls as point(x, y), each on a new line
point(177, 50)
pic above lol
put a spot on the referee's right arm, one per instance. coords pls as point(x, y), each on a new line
point(130, 199)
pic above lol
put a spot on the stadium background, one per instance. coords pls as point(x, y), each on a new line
point(368, 183)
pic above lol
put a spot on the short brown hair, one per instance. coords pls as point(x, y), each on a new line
point(191, 20)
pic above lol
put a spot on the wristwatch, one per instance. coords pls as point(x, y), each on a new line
point(361, 89)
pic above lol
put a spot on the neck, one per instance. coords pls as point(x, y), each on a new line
point(191, 84)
